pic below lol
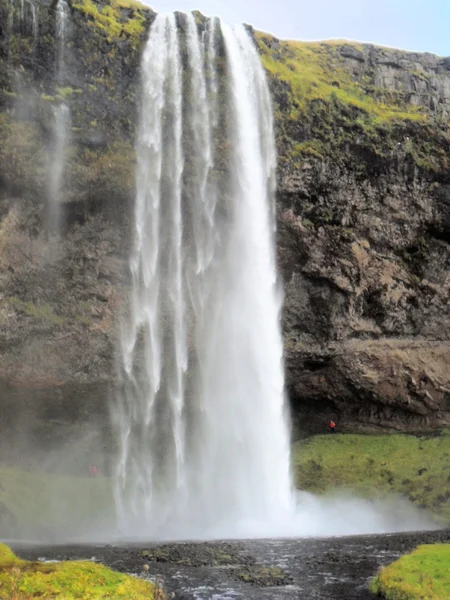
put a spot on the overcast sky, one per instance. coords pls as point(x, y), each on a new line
point(421, 25)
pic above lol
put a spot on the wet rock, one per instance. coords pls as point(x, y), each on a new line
point(196, 555)
point(262, 577)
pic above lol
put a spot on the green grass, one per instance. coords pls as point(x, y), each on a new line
point(24, 580)
point(422, 575)
point(417, 467)
point(314, 70)
point(35, 502)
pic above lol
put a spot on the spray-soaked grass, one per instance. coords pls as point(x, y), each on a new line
point(422, 575)
point(34, 503)
point(23, 580)
point(374, 466)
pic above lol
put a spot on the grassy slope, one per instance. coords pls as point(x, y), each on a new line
point(377, 465)
point(23, 580)
point(422, 575)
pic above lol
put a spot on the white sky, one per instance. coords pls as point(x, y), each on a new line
point(421, 25)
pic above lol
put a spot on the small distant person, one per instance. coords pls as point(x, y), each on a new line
point(93, 470)
point(332, 427)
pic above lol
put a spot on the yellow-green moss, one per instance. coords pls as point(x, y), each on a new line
point(313, 71)
point(108, 19)
point(78, 580)
point(417, 467)
point(422, 575)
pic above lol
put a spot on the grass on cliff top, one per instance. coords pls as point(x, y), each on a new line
point(109, 20)
point(422, 575)
point(24, 580)
point(314, 70)
point(417, 467)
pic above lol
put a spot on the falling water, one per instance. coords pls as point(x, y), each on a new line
point(204, 438)
point(61, 127)
point(62, 25)
point(26, 10)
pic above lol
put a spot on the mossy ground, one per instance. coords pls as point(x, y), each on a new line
point(262, 576)
point(422, 575)
point(196, 555)
point(23, 580)
point(374, 466)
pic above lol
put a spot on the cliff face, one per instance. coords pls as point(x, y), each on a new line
point(364, 232)
point(363, 223)
point(60, 301)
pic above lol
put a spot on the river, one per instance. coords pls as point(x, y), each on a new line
point(336, 568)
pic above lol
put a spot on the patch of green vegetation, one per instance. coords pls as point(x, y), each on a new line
point(43, 312)
point(314, 70)
point(261, 577)
point(308, 148)
point(422, 575)
point(106, 173)
point(48, 98)
point(323, 112)
point(194, 555)
point(417, 467)
point(24, 580)
point(110, 21)
point(67, 92)
point(38, 502)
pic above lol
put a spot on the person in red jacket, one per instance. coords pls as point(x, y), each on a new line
point(332, 427)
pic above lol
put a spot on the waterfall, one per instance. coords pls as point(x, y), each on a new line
point(203, 432)
point(26, 11)
point(62, 25)
point(61, 127)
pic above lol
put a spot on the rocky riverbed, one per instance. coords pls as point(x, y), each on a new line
point(276, 569)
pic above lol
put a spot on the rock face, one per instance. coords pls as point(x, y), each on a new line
point(364, 236)
point(60, 302)
point(363, 225)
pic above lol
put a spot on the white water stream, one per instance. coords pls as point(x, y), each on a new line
point(25, 14)
point(204, 436)
point(61, 127)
